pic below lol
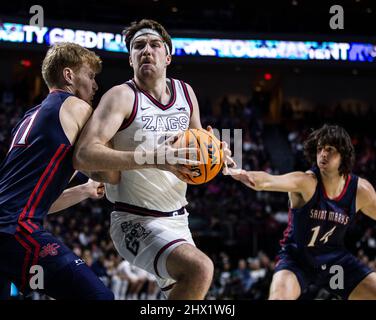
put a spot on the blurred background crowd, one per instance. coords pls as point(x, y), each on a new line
point(238, 228)
point(276, 105)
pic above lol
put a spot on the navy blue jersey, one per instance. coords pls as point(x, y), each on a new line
point(315, 233)
point(37, 168)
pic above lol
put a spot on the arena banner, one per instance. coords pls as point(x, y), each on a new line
point(198, 47)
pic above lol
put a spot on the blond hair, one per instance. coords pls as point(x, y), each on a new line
point(67, 55)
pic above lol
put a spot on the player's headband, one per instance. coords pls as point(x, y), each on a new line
point(144, 31)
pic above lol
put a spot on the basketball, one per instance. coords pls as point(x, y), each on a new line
point(209, 152)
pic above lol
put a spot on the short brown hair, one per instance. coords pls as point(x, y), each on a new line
point(335, 136)
point(67, 55)
point(130, 31)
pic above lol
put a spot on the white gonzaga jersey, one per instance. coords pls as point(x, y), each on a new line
point(152, 189)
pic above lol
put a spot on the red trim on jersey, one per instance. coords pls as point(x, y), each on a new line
point(187, 97)
point(33, 246)
point(164, 248)
point(127, 122)
point(341, 194)
point(36, 245)
point(48, 181)
point(288, 228)
point(26, 261)
point(33, 242)
point(27, 224)
point(156, 102)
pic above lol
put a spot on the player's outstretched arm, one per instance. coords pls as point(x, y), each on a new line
point(299, 182)
point(72, 196)
point(366, 198)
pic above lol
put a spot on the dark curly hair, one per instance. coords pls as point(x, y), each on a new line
point(335, 136)
point(130, 31)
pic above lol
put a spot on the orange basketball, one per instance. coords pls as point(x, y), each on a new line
point(209, 152)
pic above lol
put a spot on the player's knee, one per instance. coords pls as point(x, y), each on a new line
point(190, 266)
point(277, 295)
point(202, 269)
point(207, 269)
point(283, 293)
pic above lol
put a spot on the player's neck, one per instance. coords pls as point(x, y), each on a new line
point(156, 87)
point(64, 89)
point(333, 184)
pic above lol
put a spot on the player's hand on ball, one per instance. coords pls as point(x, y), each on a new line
point(181, 171)
point(173, 159)
point(167, 154)
point(95, 190)
point(228, 161)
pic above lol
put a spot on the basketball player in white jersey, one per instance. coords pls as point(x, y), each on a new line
point(149, 226)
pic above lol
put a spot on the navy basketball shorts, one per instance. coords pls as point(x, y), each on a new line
point(27, 258)
point(354, 271)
